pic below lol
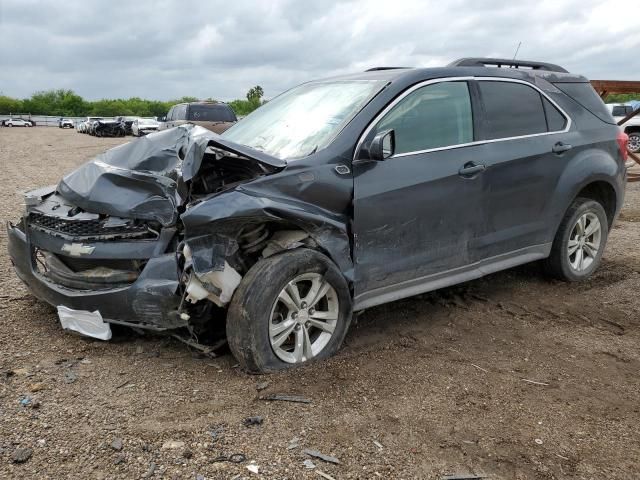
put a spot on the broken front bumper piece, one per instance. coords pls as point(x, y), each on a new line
point(149, 301)
point(85, 323)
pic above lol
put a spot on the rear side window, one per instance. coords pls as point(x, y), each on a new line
point(621, 110)
point(211, 113)
point(555, 120)
point(180, 112)
point(585, 95)
point(433, 116)
point(511, 110)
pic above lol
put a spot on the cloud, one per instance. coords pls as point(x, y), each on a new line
point(165, 49)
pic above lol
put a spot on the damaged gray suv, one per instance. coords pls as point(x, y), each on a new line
point(336, 196)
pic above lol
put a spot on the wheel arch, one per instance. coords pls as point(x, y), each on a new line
point(228, 214)
point(602, 192)
point(594, 173)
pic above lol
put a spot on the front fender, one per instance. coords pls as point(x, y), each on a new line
point(226, 214)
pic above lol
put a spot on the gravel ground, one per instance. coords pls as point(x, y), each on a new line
point(512, 376)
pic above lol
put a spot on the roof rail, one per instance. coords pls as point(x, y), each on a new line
point(377, 69)
point(503, 62)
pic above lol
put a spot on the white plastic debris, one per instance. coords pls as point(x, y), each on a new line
point(84, 322)
point(253, 468)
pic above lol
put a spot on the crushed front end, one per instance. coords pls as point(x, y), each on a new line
point(109, 238)
point(124, 268)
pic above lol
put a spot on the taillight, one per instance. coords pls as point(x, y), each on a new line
point(623, 140)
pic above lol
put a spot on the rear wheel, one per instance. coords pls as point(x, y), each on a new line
point(634, 142)
point(579, 243)
point(289, 309)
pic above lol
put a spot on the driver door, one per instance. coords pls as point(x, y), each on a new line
point(416, 213)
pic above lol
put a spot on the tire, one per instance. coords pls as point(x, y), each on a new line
point(634, 142)
point(578, 266)
point(256, 308)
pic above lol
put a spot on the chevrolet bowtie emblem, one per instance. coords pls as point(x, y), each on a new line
point(77, 249)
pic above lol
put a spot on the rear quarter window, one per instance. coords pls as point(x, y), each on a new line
point(586, 96)
point(555, 120)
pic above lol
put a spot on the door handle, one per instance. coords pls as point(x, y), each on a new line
point(561, 147)
point(470, 169)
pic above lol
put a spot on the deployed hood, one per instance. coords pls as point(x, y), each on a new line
point(146, 178)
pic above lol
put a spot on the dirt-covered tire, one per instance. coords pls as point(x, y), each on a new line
point(634, 142)
point(264, 309)
point(579, 242)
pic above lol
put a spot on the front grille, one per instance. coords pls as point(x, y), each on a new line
point(87, 229)
point(87, 274)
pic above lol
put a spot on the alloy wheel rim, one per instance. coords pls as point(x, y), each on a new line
point(584, 242)
point(303, 318)
point(634, 143)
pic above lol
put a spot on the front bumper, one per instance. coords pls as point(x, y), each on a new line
point(149, 302)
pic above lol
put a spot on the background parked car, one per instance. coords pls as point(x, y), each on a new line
point(85, 126)
point(18, 122)
point(214, 116)
point(143, 126)
point(631, 127)
point(65, 123)
point(126, 123)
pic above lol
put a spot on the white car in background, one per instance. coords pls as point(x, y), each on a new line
point(65, 123)
point(142, 126)
point(17, 122)
point(631, 127)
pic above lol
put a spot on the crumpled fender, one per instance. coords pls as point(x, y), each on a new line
point(145, 178)
point(228, 213)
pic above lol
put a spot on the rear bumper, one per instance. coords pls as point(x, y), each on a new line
point(150, 302)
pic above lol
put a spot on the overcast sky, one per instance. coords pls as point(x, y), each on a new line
point(168, 49)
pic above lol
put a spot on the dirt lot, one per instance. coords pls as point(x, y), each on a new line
point(512, 376)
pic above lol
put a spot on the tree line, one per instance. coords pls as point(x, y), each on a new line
point(67, 103)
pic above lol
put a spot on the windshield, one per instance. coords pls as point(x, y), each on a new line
point(147, 121)
point(304, 119)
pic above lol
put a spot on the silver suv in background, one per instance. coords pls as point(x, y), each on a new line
point(214, 116)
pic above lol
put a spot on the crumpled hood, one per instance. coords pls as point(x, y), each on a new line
point(145, 178)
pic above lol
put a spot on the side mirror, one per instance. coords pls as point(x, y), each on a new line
point(383, 145)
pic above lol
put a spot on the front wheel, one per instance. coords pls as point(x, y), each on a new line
point(579, 243)
point(289, 309)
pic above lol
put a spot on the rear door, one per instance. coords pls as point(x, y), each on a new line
point(527, 147)
point(416, 213)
